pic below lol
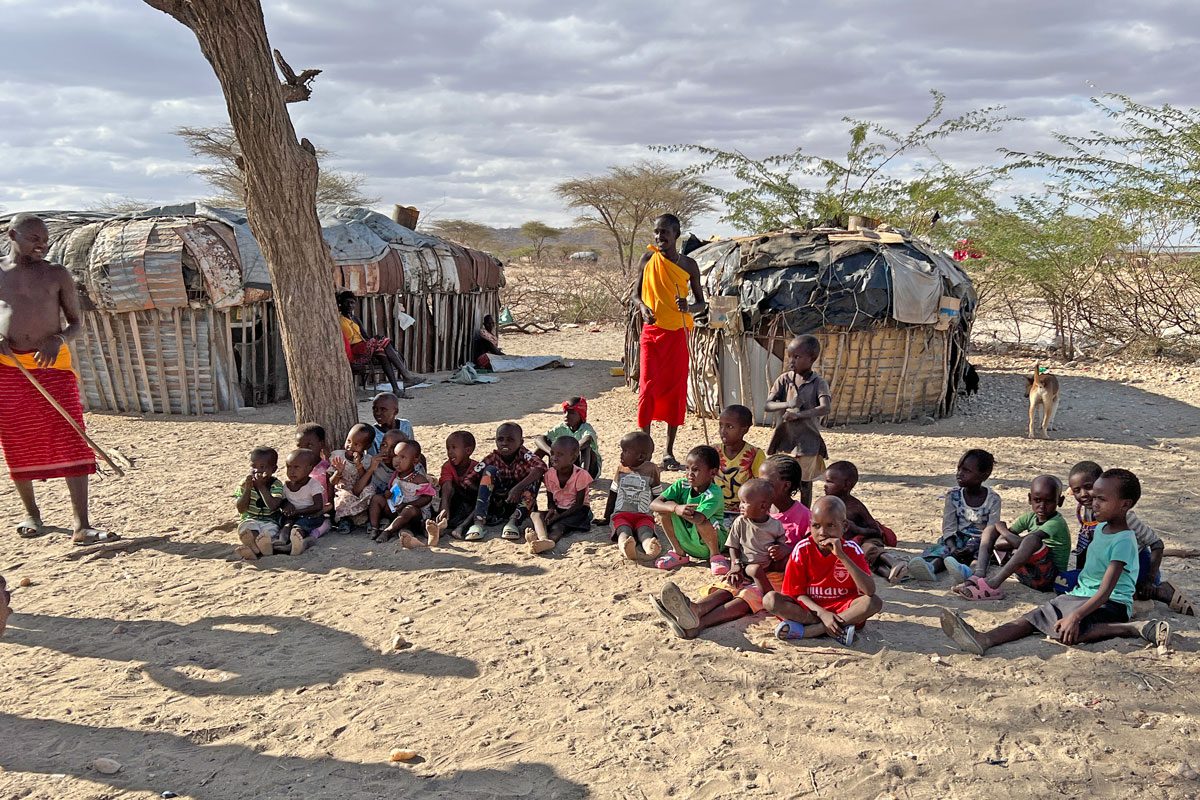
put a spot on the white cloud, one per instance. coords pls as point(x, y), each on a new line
point(472, 109)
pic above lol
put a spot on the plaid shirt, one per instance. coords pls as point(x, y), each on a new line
point(510, 473)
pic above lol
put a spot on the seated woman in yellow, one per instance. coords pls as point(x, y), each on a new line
point(364, 347)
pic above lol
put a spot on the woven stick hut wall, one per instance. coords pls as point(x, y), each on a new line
point(893, 316)
point(178, 317)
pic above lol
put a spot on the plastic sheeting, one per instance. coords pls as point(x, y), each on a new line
point(818, 279)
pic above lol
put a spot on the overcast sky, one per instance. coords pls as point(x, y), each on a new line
point(475, 109)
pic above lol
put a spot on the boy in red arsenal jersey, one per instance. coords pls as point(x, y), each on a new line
point(827, 585)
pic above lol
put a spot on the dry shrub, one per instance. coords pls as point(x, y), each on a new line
point(564, 292)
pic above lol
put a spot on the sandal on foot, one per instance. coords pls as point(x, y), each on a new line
point(846, 637)
point(1182, 604)
point(1157, 632)
point(31, 528)
point(976, 589)
point(788, 630)
point(719, 565)
point(675, 601)
point(919, 569)
point(474, 533)
point(671, 560)
point(961, 633)
point(93, 536)
point(511, 532)
point(959, 572)
point(679, 630)
point(669, 464)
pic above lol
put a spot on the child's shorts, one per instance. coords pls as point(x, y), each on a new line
point(309, 524)
point(259, 526)
point(1047, 615)
point(1038, 572)
point(749, 594)
point(632, 520)
point(839, 606)
point(576, 521)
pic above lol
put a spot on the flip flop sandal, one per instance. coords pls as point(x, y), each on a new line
point(94, 536)
point(474, 533)
point(1182, 604)
point(31, 528)
point(676, 602)
point(719, 565)
point(846, 637)
point(1157, 632)
point(977, 589)
point(678, 629)
point(671, 560)
point(510, 532)
point(789, 630)
point(671, 465)
point(960, 632)
point(919, 569)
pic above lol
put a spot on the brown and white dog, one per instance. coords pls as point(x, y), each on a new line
point(1042, 390)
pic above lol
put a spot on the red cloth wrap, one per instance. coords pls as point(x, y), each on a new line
point(580, 407)
point(364, 351)
point(663, 384)
point(38, 443)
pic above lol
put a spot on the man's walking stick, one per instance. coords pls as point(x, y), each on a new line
point(5, 316)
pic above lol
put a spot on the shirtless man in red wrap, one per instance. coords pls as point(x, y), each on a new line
point(38, 443)
point(663, 280)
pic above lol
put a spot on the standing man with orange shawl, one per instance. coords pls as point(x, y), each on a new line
point(38, 442)
point(664, 278)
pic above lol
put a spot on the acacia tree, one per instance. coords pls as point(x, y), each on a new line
point(469, 234)
point(539, 235)
point(623, 201)
point(801, 190)
point(280, 176)
point(219, 146)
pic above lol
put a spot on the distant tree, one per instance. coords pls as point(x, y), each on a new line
point(464, 232)
point(219, 146)
point(539, 235)
point(280, 173)
point(120, 205)
point(799, 190)
point(625, 200)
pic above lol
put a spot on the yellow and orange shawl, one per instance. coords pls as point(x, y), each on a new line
point(29, 360)
point(663, 283)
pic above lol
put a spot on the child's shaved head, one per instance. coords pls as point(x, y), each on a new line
point(756, 489)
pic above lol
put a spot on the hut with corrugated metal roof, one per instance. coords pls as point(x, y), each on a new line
point(178, 311)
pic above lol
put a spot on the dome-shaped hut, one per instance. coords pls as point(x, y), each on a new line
point(893, 316)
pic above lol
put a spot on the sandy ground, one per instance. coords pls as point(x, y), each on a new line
point(547, 677)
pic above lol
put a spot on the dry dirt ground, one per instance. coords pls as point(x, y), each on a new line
point(547, 677)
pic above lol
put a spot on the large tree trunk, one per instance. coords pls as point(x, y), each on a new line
point(281, 182)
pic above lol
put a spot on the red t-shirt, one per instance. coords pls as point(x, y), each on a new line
point(469, 478)
point(822, 577)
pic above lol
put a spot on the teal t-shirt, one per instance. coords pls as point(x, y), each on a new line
point(562, 430)
point(1058, 536)
point(709, 503)
point(1108, 547)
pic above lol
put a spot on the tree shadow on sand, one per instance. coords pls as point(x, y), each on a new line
point(155, 762)
point(228, 655)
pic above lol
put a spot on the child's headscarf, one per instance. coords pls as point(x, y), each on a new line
point(579, 407)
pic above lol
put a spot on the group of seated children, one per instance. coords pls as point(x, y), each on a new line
point(735, 508)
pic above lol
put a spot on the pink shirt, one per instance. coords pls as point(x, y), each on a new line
point(564, 494)
point(795, 521)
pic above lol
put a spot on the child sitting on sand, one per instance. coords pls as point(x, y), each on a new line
point(970, 507)
point(757, 546)
point(827, 586)
point(311, 436)
point(633, 487)
point(576, 426)
point(303, 506)
point(349, 467)
point(1100, 606)
point(691, 512)
point(803, 398)
point(740, 461)
point(567, 510)
point(840, 479)
point(406, 501)
point(1037, 558)
point(458, 484)
point(507, 486)
point(785, 476)
point(259, 497)
point(386, 410)
point(1150, 586)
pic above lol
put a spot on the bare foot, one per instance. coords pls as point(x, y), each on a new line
point(246, 553)
point(410, 542)
point(629, 548)
point(264, 544)
point(297, 539)
point(898, 573)
point(652, 548)
point(433, 533)
point(539, 546)
point(530, 535)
